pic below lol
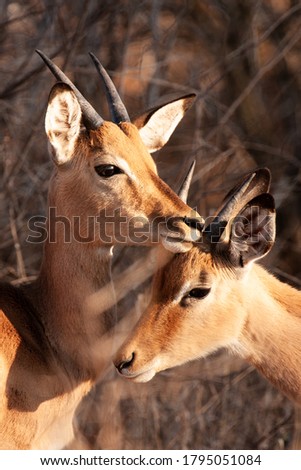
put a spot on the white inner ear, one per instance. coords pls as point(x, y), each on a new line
point(161, 125)
point(62, 124)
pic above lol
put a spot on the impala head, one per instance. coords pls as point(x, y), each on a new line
point(198, 301)
point(105, 175)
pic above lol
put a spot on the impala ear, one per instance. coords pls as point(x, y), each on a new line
point(157, 125)
point(62, 122)
point(252, 232)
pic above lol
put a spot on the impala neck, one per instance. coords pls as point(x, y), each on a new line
point(70, 274)
point(271, 337)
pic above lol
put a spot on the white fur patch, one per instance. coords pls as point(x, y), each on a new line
point(161, 125)
point(120, 163)
point(62, 124)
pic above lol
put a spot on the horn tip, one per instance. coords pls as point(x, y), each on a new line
point(190, 172)
point(192, 166)
point(43, 57)
point(184, 189)
point(41, 53)
point(95, 60)
point(38, 51)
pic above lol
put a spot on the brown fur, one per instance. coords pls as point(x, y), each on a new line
point(53, 344)
point(252, 313)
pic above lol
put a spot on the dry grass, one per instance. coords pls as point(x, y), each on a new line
point(243, 60)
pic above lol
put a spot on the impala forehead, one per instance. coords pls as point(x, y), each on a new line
point(124, 141)
point(184, 272)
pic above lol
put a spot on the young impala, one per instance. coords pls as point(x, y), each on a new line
point(50, 354)
point(216, 296)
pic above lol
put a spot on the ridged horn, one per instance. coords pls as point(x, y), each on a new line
point(117, 108)
point(192, 222)
point(91, 118)
point(253, 185)
point(184, 188)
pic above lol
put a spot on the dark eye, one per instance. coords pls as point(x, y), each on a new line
point(198, 293)
point(106, 171)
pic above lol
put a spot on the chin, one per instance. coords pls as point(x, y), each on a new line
point(176, 247)
point(141, 377)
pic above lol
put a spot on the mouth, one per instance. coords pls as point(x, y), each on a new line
point(175, 244)
point(173, 236)
point(138, 377)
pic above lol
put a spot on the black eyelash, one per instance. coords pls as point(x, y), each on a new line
point(198, 293)
point(107, 171)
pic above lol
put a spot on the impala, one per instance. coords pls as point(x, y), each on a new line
point(216, 296)
point(53, 347)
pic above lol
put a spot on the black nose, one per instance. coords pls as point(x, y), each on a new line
point(123, 365)
point(194, 223)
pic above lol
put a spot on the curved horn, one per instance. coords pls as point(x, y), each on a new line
point(91, 118)
point(117, 108)
point(184, 188)
point(252, 186)
point(196, 221)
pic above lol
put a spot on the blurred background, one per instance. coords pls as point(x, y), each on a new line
point(242, 58)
